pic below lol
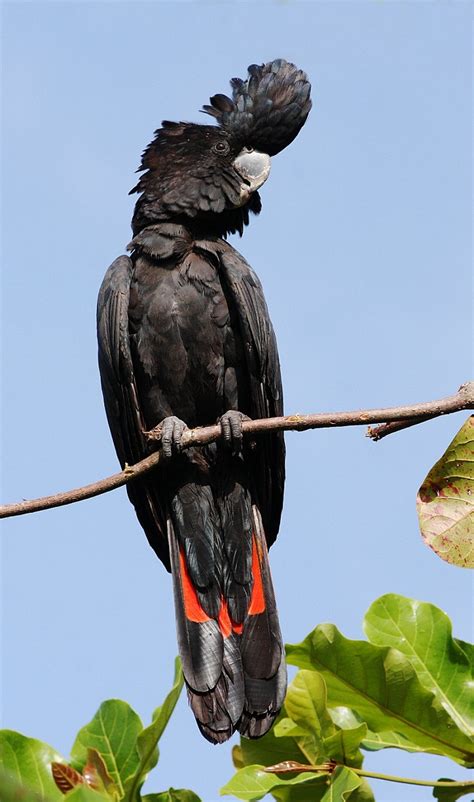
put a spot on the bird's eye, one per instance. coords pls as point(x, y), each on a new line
point(222, 148)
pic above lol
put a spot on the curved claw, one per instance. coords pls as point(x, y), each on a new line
point(231, 425)
point(172, 429)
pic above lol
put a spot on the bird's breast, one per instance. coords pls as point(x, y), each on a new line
point(185, 340)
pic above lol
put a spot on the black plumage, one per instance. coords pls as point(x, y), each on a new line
point(185, 339)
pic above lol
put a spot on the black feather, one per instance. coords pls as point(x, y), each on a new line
point(267, 110)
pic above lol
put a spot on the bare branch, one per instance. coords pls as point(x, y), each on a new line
point(466, 390)
point(393, 418)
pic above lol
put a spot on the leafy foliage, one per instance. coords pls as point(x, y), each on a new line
point(110, 759)
point(409, 687)
point(445, 501)
point(423, 633)
point(27, 762)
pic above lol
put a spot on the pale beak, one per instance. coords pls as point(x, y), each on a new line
point(254, 168)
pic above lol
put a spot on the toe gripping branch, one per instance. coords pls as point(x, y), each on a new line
point(231, 426)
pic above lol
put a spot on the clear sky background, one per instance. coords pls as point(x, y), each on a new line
point(364, 251)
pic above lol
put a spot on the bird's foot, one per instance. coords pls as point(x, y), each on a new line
point(231, 425)
point(170, 432)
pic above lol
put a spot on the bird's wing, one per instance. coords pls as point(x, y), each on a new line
point(266, 393)
point(121, 398)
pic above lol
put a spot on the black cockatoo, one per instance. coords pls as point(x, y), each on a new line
point(185, 340)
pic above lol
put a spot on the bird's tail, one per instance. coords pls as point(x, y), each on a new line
point(228, 632)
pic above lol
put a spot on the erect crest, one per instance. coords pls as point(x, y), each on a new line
point(266, 111)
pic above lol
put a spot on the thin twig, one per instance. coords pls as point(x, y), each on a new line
point(407, 415)
point(292, 767)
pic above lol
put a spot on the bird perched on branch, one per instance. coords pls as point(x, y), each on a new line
point(185, 340)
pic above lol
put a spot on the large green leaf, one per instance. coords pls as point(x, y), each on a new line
point(113, 732)
point(423, 633)
point(381, 685)
point(445, 501)
point(147, 740)
point(253, 783)
point(28, 762)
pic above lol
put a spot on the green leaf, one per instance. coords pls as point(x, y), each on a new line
point(380, 684)
point(343, 746)
point(28, 762)
point(343, 784)
point(113, 732)
point(84, 794)
point(423, 633)
point(299, 793)
point(445, 501)
point(305, 704)
point(147, 740)
point(13, 791)
point(173, 795)
point(387, 739)
point(286, 728)
point(467, 648)
point(452, 794)
point(252, 782)
point(363, 793)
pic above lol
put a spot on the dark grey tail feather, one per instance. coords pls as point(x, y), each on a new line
point(212, 665)
point(200, 644)
point(218, 711)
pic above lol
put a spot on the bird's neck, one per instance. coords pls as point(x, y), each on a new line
point(171, 240)
point(203, 225)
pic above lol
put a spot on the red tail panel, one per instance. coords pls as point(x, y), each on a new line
point(192, 606)
point(257, 600)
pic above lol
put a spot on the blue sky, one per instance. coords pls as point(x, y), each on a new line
point(364, 251)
